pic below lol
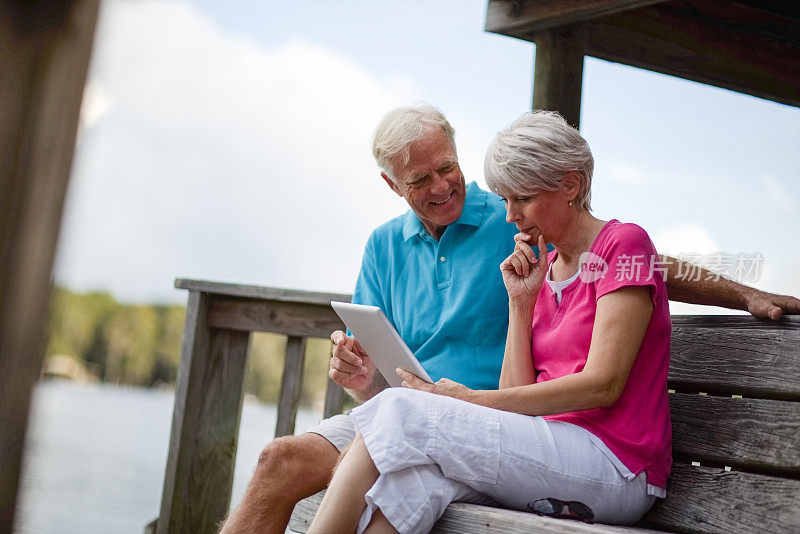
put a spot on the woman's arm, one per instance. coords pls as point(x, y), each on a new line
point(523, 275)
point(620, 324)
point(518, 367)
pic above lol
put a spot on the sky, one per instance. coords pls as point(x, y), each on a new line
point(231, 141)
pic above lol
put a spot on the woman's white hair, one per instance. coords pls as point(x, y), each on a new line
point(403, 126)
point(535, 153)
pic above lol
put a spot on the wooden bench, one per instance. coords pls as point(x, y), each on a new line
point(735, 411)
point(735, 402)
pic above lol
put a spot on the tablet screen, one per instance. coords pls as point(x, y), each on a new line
point(380, 339)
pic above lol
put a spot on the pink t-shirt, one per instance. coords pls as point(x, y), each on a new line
point(637, 427)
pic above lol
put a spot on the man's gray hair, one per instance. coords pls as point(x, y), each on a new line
point(534, 154)
point(403, 126)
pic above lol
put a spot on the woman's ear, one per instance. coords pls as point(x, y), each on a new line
point(572, 184)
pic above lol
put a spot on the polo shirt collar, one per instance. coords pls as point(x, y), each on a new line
point(471, 214)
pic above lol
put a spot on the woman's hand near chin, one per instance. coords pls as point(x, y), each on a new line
point(524, 273)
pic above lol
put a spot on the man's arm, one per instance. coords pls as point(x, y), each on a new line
point(707, 288)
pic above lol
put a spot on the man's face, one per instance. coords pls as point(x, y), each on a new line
point(431, 182)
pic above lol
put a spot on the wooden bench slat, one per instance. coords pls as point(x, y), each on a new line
point(745, 357)
point(712, 500)
point(463, 518)
point(750, 434)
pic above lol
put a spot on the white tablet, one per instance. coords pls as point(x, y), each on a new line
point(381, 341)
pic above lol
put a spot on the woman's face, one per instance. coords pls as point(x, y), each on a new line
point(544, 213)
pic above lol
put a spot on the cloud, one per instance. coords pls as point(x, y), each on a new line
point(777, 193)
point(628, 175)
point(685, 239)
point(205, 154)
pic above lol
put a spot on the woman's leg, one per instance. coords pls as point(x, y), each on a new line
point(343, 504)
point(379, 524)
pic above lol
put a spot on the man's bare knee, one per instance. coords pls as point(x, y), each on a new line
point(297, 462)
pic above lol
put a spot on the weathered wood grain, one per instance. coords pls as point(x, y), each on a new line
point(718, 42)
point(290, 318)
point(558, 72)
point(512, 17)
point(710, 500)
point(260, 292)
point(335, 397)
point(746, 46)
point(750, 434)
point(463, 518)
point(291, 386)
point(44, 57)
point(761, 361)
point(205, 424)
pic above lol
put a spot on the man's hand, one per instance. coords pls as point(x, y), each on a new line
point(351, 367)
point(770, 305)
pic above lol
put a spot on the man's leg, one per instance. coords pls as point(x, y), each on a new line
point(289, 469)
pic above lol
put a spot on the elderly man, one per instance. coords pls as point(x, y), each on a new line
point(434, 272)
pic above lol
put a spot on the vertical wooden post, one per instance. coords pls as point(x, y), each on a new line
point(205, 424)
point(335, 396)
point(558, 72)
point(291, 386)
point(44, 58)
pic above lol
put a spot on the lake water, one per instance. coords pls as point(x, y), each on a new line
point(95, 456)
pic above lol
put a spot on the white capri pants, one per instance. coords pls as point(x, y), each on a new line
point(431, 450)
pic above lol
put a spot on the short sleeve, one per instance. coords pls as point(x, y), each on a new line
point(631, 260)
point(367, 286)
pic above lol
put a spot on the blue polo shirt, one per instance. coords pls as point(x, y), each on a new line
point(446, 298)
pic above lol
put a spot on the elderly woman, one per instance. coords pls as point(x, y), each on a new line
point(580, 425)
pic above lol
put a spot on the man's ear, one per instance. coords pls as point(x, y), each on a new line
point(391, 184)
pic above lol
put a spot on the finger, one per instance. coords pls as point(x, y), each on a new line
point(526, 249)
point(338, 376)
point(337, 337)
point(521, 237)
point(346, 355)
point(412, 380)
point(517, 264)
point(526, 265)
point(345, 367)
point(543, 261)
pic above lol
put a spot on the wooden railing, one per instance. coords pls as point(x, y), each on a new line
point(210, 389)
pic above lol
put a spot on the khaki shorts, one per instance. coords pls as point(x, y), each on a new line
point(339, 430)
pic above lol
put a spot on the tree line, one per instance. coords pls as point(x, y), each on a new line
point(139, 345)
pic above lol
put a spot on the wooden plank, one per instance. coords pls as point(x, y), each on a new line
point(335, 396)
point(205, 424)
point(463, 518)
point(748, 358)
point(750, 434)
point(745, 46)
point(291, 386)
point(711, 500)
point(716, 42)
point(700, 499)
point(290, 318)
point(558, 72)
point(260, 292)
point(44, 53)
point(515, 17)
